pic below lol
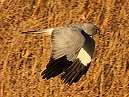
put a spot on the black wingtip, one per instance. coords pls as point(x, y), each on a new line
point(74, 72)
point(55, 67)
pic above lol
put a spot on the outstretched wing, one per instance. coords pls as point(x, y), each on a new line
point(66, 44)
point(72, 50)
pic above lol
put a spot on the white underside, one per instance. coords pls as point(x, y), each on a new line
point(84, 57)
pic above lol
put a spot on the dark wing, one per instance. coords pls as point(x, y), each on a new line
point(66, 44)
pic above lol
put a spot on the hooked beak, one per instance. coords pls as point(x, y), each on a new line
point(98, 31)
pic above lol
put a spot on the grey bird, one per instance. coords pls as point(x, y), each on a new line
point(72, 51)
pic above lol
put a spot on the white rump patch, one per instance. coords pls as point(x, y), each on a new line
point(84, 57)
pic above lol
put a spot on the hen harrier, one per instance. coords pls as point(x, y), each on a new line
point(72, 50)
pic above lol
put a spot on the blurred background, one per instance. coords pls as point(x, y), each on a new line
point(23, 57)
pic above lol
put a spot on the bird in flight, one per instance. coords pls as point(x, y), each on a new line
point(71, 52)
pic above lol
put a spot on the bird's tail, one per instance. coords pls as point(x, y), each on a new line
point(32, 32)
point(45, 31)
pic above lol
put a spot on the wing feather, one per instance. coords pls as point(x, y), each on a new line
point(67, 41)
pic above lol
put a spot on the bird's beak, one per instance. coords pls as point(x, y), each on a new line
point(98, 31)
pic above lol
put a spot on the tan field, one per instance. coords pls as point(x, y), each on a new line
point(23, 57)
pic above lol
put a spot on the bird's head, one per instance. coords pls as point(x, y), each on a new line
point(89, 28)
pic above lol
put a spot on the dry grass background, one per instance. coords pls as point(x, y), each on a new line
point(24, 57)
